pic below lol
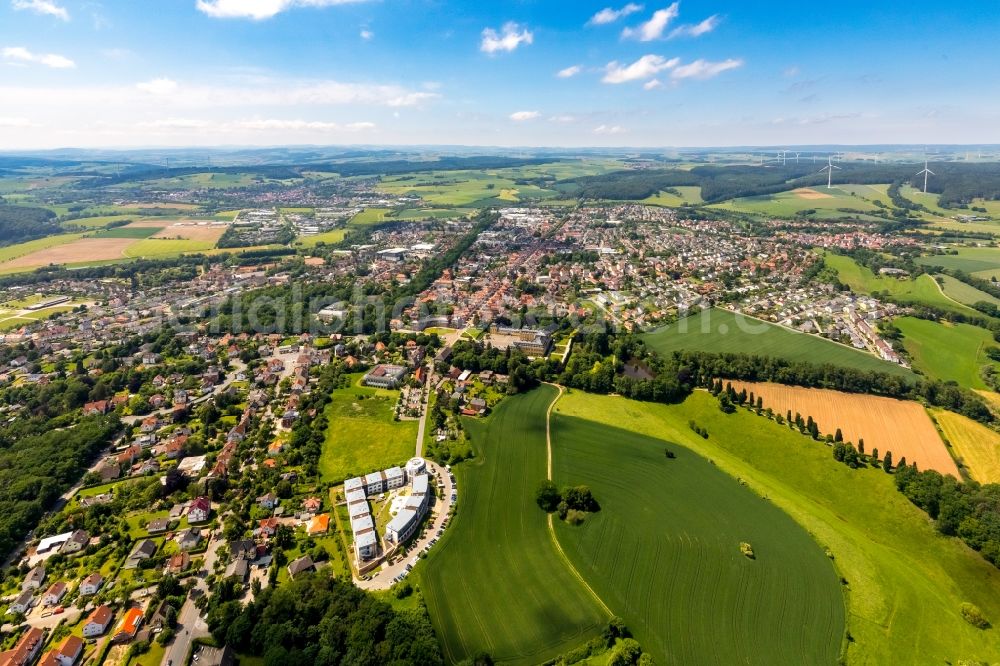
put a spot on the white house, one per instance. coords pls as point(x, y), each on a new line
point(91, 584)
point(98, 622)
point(22, 604)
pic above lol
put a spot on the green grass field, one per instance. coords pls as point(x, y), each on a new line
point(964, 293)
point(368, 216)
point(327, 237)
point(969, 259)
point(362, 436)
point(945, 351)
point(791, 204)
point(462, 188)
point(722, 331)
point(691, 195)
point(906, 582)
point(496, 581)
point(663, 553)
point(164, 247)
point(96, 222)
point(127, 232)
point(922, 290)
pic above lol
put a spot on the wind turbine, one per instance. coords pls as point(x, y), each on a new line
point(797, 158)
point(829, 172)
point(926, 172)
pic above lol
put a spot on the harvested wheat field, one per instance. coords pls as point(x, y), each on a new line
point(79, 251)
point(808, 193)
point(900, 426)
point(192, 230)
point(976, 446)
point(992, 399)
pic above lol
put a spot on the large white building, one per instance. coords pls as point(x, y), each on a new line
point(405, 522)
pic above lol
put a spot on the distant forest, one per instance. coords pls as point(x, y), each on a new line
point(21, 223)
point(361, 168)
point(957, 183)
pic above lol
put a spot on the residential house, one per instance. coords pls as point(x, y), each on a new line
point(128, 627)
point(98, 622)
point(268, 501)
point(304, 563)
point(54, 594)
point(200, 510)
point(177, 563)
point(34, 579)
point(76, 542)
point(23, 603)
point(188, 539)
point(158, 526)
point(25, 650)
point(143, 550)
point(66, 654)
point(91, 584)
point(319, 524)
point(268, 526)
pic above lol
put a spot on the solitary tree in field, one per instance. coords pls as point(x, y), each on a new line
point(887, 463)
point(875, 455)
point(861, 446)
point(902, 463)
point(788, 417)
point(838, 436)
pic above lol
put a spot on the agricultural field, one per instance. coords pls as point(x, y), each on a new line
point(905, 582)
point(97, 222)
point(983, 262)
point(964, 293)
point(792, 203)
point(722, 331)
point(329, 237)
point(497, 582)
point(27, 248)
point(974, 444)
point(166, 247)
point(431, 213)
point(368, 216)
point(899, 426)
point(947, 351)
point(462, 188)
point(362, 436)
point(76, 251)
point(921, 290)
point(688, 195)
point(128, 231)
point(664, 553)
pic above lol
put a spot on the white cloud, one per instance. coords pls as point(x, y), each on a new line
point(509, 38)
point(569, 71)
point(520, 116)
point(564, 118)
point(169, 125)
point(644, 68)
point(654, 27)
point(610, 15)
point(16, 122)
point(258, 9)
point(698, 29)
point(19, 54)
point(703, 69)
point(157, 86)
point(609, 129)
point(156, 94)
point(46, 7)
point(792, 72)
point(366, 34)
point(651, 84)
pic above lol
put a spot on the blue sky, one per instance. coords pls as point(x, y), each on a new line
point(530, 73)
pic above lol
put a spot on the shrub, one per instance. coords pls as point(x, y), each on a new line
point(746, 549)
point(974, 616)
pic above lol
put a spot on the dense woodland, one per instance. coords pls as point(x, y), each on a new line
point(36, 469)
point(957, 183)
point(315, 620)
point(22, 223)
